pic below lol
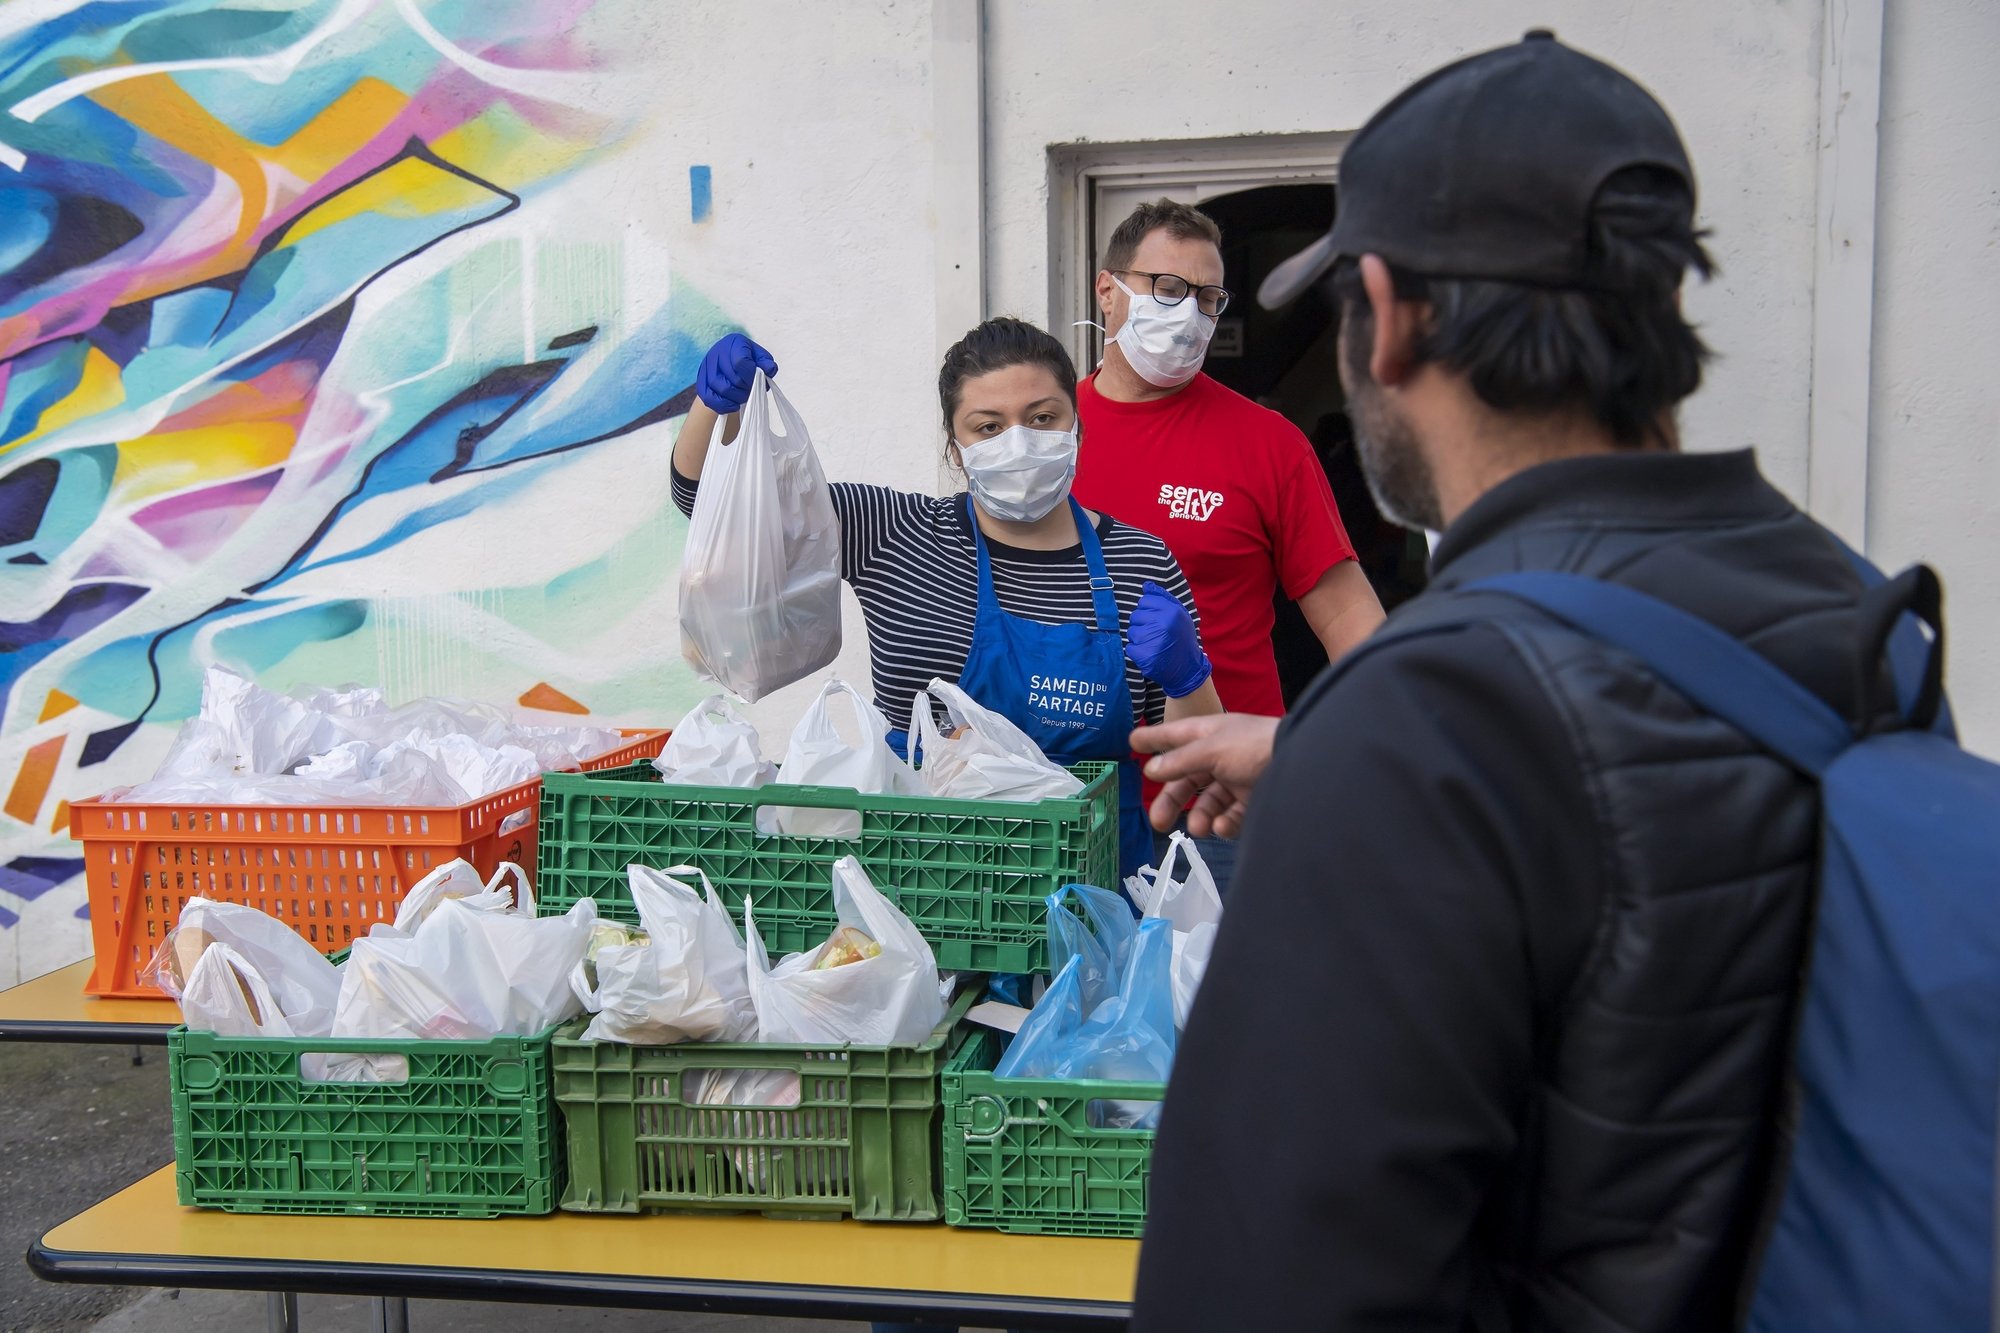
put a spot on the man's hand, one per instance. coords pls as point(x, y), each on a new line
point(1212, 762)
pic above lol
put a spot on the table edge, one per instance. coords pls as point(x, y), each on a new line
point(606, 1289)
point(85, 1031)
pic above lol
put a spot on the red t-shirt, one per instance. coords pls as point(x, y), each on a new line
point(1235, 492)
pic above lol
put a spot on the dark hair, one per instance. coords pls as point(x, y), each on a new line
point(1618, 348)
point(995, 345)
point(1181, 221)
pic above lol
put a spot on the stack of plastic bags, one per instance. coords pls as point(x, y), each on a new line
point(465, 959)
point(349, 747)
point(1123, 985)
point(973, 754)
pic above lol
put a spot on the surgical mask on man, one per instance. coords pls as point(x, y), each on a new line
point(1165, 344)
point(1020, 474)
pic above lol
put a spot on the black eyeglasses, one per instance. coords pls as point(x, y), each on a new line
point(1172, 289)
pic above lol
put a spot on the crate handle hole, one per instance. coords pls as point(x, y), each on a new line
point(507, 1078)
point(1122, 1114)
point(199, 1073)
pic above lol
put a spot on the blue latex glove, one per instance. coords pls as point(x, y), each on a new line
point(728, 372)
point(1163, 644)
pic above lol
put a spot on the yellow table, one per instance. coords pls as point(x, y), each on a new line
point(734, 1264)
point(53, 1007)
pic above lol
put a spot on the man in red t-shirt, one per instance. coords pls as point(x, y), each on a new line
point(1233, 489)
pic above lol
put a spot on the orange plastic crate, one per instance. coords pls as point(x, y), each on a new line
point(331, 872)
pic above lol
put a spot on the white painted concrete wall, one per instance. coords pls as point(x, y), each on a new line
point(817, 129)
point(1934, 463)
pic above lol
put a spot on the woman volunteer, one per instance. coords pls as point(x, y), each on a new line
point(1014, 590)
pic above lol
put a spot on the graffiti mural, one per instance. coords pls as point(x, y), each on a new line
point(325, 352)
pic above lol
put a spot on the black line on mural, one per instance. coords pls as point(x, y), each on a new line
point(576, 338)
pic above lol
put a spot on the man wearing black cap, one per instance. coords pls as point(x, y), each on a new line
point(1494, 1033)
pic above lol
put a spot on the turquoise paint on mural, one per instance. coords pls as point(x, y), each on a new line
point(256, 646)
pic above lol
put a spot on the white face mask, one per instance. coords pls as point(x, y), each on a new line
point(1164, 343)
point(1020, 474)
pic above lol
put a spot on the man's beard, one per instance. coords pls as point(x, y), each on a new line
point(1398, 475)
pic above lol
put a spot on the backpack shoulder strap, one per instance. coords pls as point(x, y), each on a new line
point(1724, 676)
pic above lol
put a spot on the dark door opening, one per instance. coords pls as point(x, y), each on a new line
point(1284, 359)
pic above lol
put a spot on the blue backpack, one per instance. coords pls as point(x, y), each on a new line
point(1885, 1215)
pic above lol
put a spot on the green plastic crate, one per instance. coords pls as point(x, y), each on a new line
point(972, 875)
point(862, 1141)
point(1021, 1154)
point(471, 1133)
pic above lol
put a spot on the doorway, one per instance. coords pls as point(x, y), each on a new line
point(1272, 195)
point(1285, 360)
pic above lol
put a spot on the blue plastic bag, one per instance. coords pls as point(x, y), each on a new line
point(1050, 1029)
point(1109, 1014)
point(1100, 939)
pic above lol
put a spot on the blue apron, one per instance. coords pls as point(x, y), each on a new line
point(1064, 685)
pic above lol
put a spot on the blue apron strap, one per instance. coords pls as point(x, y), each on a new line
point(1101, 595)
point(989, 601)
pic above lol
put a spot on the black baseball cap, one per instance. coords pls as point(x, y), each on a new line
point(1487, 168)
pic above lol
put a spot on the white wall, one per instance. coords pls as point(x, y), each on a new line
point(817, 128)
point(1934, 464)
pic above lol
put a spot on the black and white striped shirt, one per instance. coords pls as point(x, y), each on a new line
point(913, 566)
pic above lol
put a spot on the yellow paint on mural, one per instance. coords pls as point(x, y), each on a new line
point(406, 189)
point(162, 108)
point(175, 460)
point(340, 129)
point(497, 145)
point(99, 388)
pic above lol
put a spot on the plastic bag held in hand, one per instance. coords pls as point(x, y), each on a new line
point(687, 982)
point(820, 756)
point(760, 571)
point(1183, 894)
point(302, 984)
point(715, 746)
point(986, 757)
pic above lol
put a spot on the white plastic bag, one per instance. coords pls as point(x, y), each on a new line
point(820, 756)
point(1186, 898)
point(715, 746)
point(465, 974)
point(227, 996)
point(986, 757)
point(760, 570)
point(459, 881)
point(687, 982)
point(302, 984)
point(891, 999)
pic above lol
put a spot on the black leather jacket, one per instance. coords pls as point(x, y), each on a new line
point(1494, 1032)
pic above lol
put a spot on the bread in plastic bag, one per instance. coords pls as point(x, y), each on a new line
point(303, 985)
point(225, 995)
point(686, 981)
point(760, 569)
point(820, 755)
point(983, 756)
point(715, 746)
